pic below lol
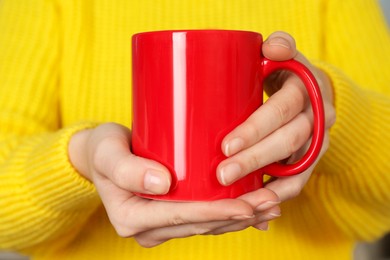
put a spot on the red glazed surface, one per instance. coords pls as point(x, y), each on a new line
point(191, 88)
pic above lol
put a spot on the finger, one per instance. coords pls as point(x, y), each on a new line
point(279, 46)
point(262, 226)
point(261, 199)
point(290, 187)
point(256, 222)
point(277, 111)
point(158, 236)
point(282, 142)
point(274, 82)
point(166, 213)
point(277, 79)
point(113, 160)
point(136, 215)
point(233, 227)
point(330, 115)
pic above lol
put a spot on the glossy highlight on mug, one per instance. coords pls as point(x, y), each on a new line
point(179, 102)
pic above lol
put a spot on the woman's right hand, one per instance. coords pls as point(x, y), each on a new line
point(103, 156)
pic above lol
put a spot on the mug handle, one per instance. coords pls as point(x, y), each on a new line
point(278, 169)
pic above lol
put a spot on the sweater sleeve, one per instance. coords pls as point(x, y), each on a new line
point(41, 194)
point(353, 179)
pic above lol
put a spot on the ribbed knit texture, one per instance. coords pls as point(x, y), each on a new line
point(65, 66)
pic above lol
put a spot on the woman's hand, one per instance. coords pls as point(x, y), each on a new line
point(103, 156)
point(281, 128)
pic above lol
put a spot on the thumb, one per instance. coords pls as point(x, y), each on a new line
point(279, 46)
point(112, 159)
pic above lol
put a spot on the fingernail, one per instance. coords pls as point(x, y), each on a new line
point(279, 41)
point(242, 217)
point(230, 173)
point(267, 205)
point(233, 146)
point(271, 216)
point(155, 182)
point(262, 226)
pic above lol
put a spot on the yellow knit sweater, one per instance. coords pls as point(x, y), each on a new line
point(65, 66)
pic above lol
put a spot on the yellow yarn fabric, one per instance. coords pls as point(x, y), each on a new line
point(65, 65)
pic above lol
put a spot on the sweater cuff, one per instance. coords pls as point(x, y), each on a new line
point(52, 182)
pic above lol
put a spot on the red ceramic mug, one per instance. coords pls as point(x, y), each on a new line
point(190, 89)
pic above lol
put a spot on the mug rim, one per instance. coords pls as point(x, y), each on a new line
point(196, 31)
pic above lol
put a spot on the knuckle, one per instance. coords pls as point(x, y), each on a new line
point(146, 242)
point(98, 159)
point(252, 130)
point(292, 143)
point(296, 138)
point(118, 172)
point(124, 231)
point(281, 112)
point(253, 161)
point(122, 227)
point(99, 156)
point(176, 220)
point(298, 97)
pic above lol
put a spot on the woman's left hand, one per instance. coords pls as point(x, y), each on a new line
point(281, 128)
